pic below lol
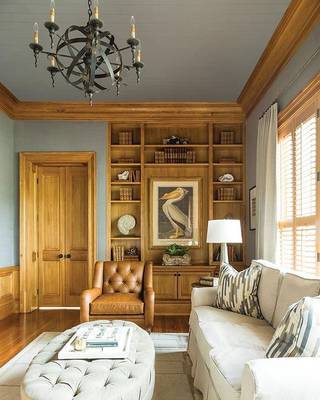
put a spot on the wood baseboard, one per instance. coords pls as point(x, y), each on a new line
point(9, 291)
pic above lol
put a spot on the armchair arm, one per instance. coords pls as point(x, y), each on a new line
point(205, 296)
point(294, 378)
point(148, 296)
point(87, 297)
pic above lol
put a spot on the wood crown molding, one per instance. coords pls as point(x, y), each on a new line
point(126, 112)
point(301, 100)
point(293, 28)
point(228, 112)
point(8, 102)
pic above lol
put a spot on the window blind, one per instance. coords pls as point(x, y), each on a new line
point(298, 196)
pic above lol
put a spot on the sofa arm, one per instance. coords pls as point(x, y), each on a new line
point(205, 296)
point(295, 378)
point(149, 308)
point(87, 297)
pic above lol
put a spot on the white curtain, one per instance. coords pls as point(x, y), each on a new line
point(266, 182)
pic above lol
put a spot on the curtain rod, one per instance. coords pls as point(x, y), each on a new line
point(293, 80)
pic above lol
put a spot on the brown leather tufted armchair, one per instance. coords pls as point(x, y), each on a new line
point(121, 290)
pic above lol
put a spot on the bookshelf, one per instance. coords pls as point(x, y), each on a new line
point(213, 159)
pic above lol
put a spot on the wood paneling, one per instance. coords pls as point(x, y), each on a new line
point(9, 291)
point(293, 28)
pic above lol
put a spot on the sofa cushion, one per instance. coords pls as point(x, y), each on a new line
point(293, 288)
point(238, 291)
point(270, 281)
point(298, 334)
point(224, 353)
point(117, 303)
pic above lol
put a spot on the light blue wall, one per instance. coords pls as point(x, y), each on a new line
point(69, 136)
point(8, 206)
point(279, 91)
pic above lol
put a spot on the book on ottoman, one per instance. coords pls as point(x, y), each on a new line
point(98, 341)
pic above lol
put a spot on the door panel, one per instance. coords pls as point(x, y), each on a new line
point(165, 286)
point(51, 190)
point(76, 233)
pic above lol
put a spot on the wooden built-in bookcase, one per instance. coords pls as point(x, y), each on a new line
point(173, 284)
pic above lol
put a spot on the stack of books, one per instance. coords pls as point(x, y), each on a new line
point(175, 156)
point(208, 281)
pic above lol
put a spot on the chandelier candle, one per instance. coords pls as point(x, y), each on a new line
point(133, 28)
point(86, 56)
point(36, 33)
point(96, 9)
point(52, 11)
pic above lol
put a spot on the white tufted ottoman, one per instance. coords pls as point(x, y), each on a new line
point(51, 379)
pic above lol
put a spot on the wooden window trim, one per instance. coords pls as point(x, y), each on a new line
point(306, 104)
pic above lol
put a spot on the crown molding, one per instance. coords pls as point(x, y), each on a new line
point(302, 100)
point(293, 28)
point(8, 102)
point(223, 112)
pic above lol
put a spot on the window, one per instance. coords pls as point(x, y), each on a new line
point(298, 209)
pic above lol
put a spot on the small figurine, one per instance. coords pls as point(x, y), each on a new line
point(123, 176)
point(226, 178)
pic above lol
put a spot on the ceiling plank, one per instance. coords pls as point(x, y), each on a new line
point(295, 25)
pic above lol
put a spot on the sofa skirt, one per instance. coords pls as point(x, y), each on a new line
point(200, 372)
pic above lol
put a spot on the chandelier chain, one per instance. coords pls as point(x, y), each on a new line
point(89, 9)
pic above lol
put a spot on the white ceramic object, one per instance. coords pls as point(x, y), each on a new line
point(126, 223)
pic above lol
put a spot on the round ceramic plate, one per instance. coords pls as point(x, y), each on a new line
point(126, 223)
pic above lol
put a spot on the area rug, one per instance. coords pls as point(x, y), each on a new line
point(173, 368)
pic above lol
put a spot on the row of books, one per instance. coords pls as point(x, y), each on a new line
point(175, 156)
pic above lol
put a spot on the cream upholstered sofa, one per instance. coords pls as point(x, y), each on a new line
point(227, 350)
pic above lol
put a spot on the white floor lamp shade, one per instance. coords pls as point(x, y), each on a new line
point(224, 231)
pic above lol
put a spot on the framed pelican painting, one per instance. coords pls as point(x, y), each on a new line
point(175, 210)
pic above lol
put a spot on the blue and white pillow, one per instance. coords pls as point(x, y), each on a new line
point(298, 334)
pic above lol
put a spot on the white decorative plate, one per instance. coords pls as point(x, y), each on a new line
point(126, 223)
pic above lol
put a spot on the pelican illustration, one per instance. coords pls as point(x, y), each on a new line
point(175, 216)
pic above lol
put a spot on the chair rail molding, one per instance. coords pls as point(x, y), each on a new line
point(297, 22)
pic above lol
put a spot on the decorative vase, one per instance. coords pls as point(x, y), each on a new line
point(176, 260)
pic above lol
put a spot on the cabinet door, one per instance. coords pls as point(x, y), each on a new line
point(165, 285)
point(185, 280)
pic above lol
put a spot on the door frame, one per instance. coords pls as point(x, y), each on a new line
point(29, 254)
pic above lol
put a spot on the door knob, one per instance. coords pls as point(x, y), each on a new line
point(60, 255)
point(68, 255)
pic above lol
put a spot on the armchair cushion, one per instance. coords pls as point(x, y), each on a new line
point(117, 303)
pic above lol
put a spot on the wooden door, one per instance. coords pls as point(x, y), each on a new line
point(63, 234)
point(165, 285)
point(51, 228)
point(76, 262)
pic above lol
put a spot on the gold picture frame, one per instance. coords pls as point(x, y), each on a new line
point(175, 213)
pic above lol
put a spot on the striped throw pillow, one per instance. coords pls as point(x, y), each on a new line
point(298, 334)
point(237, 291)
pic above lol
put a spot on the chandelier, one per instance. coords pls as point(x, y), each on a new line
point(86, 56)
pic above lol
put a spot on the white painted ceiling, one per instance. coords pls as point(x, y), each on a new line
point(193, 50)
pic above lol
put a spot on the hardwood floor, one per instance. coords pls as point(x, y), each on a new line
point(18, 330)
